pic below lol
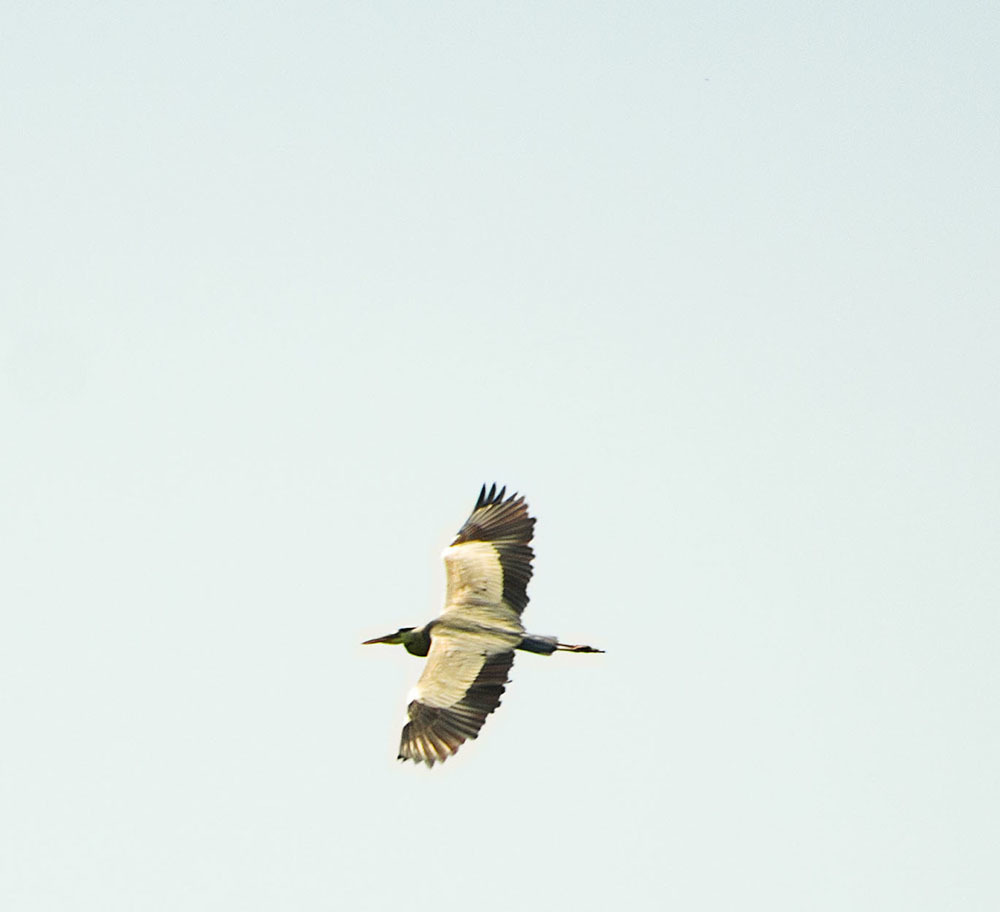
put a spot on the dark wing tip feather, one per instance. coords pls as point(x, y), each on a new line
point(494, 518)
point(486, 499)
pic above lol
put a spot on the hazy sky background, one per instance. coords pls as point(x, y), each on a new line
point(714, 285)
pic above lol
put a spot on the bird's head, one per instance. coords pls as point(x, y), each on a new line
point(395, 638)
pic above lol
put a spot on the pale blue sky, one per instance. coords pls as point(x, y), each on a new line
point(716, 287)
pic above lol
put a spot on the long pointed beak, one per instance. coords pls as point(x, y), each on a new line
point(386, 639)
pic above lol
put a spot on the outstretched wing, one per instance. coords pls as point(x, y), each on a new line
point(488, 566)
point(461, 685)
point(489, 562)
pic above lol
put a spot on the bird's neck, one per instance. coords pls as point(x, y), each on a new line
point(418, 641)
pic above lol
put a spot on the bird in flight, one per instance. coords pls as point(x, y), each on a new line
point(470, 645)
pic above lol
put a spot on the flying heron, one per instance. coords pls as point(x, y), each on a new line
point(470, 645)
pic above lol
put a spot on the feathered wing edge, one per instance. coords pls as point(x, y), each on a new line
point(434, 733)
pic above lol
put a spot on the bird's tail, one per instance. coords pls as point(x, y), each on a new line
point(541, 644)
point(547, 645)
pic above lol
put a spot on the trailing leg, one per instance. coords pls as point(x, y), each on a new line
point(544, 645)
point(567, 648)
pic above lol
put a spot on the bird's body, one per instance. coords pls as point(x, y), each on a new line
point(470, 645)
